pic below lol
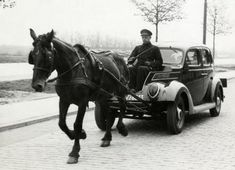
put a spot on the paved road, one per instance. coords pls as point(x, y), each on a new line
point(206, 143)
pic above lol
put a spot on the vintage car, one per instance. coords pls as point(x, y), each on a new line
point(187, 85)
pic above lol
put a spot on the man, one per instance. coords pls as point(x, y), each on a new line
point(144, 58)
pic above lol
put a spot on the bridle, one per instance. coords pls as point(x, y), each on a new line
point(79, 62)
point(51, 60)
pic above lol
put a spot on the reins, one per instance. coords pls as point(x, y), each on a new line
point(88, 82)
point(80, 61)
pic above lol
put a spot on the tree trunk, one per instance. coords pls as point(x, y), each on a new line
point(214, 33)
point(204, 22)
point(213, 46)
point(156, 38)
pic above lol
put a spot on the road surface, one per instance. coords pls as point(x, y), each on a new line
point(205, 143)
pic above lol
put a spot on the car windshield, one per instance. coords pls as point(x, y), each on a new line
point(171, 56)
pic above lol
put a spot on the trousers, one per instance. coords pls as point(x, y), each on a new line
point(138, 76)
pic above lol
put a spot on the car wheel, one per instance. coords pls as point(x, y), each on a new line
point(176, 116)
point(100, 116)
point(218, 101)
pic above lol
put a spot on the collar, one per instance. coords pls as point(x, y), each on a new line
point(147, 44)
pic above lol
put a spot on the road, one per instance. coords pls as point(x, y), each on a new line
point(206, 143)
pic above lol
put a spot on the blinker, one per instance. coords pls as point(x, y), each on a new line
point(30, 58)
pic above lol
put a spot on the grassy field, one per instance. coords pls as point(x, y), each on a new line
point(22, 58)
point(23, 85)
point(21, 90)
point(6, 58)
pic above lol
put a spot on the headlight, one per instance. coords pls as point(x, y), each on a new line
point(153, 90)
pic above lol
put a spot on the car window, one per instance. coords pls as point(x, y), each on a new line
point(171, 56)
point(193, 58)
point(206, 57)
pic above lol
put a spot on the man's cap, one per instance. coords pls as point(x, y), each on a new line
point(145, 32)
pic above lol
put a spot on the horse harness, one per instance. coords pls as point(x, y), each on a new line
point(84, 80)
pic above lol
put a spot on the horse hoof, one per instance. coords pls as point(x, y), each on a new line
point(124, 133)
point(122, 130)
point(105, 143)
point(72, 160)
point(82, 134)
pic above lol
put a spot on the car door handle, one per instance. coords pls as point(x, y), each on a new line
point(204, 74)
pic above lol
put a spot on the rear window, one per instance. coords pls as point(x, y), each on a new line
point(171, 56)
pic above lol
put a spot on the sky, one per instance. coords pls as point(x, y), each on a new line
point(116, 18)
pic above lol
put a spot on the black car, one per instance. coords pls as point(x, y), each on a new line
point(186, 85)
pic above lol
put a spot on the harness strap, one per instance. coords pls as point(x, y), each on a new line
point(83, 81)
point(62, 74)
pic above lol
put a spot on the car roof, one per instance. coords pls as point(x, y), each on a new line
point(180, 45)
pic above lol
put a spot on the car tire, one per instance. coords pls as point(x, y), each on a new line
point(176, 116)
point(218, 101)
point(100, 116)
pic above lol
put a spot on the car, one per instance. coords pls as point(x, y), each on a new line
point(185, 86)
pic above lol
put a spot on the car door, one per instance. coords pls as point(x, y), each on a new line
point(207, 64)
point(192, 75)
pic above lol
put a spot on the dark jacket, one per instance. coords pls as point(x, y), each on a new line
point(153, 55)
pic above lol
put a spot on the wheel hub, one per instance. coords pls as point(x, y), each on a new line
point(179, 113)
point(218, 104)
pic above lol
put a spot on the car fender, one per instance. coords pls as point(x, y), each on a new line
point(216, 84)
point(169, 92)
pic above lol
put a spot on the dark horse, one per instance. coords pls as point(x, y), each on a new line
point(81, 78)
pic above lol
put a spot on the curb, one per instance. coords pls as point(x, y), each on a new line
point(34, 121)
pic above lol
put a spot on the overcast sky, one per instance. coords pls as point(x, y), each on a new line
point(116, 18)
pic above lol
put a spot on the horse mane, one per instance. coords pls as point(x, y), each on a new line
point(63, 46)
point(81, 48)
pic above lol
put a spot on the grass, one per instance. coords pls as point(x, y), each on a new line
point(9, 58)
point(6, 58)
point(23, 85)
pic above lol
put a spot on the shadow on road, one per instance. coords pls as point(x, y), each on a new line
point(159, 126)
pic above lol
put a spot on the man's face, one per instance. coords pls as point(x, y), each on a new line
point(145, 38)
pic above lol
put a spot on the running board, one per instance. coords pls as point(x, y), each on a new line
point(203, 107)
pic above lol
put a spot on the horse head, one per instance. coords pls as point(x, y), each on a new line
point(41, 57)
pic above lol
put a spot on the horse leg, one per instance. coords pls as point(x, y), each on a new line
point(109, 123)
point(120, 125)
point(63, 106)
point(79, 134)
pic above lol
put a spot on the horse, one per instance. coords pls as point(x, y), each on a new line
point(81, 78)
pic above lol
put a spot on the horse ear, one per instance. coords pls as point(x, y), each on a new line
point(32, 33)
point(51, 35)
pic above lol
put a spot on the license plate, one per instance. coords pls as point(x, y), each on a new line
point(130, 97)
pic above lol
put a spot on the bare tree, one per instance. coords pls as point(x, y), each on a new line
point(159, 11)
point(217, 22)
point(7, 3)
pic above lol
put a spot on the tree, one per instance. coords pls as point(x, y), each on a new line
point(159, 11)
point(217, 22)
point(7, 3)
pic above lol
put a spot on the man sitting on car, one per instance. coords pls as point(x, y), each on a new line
point(144, 58)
